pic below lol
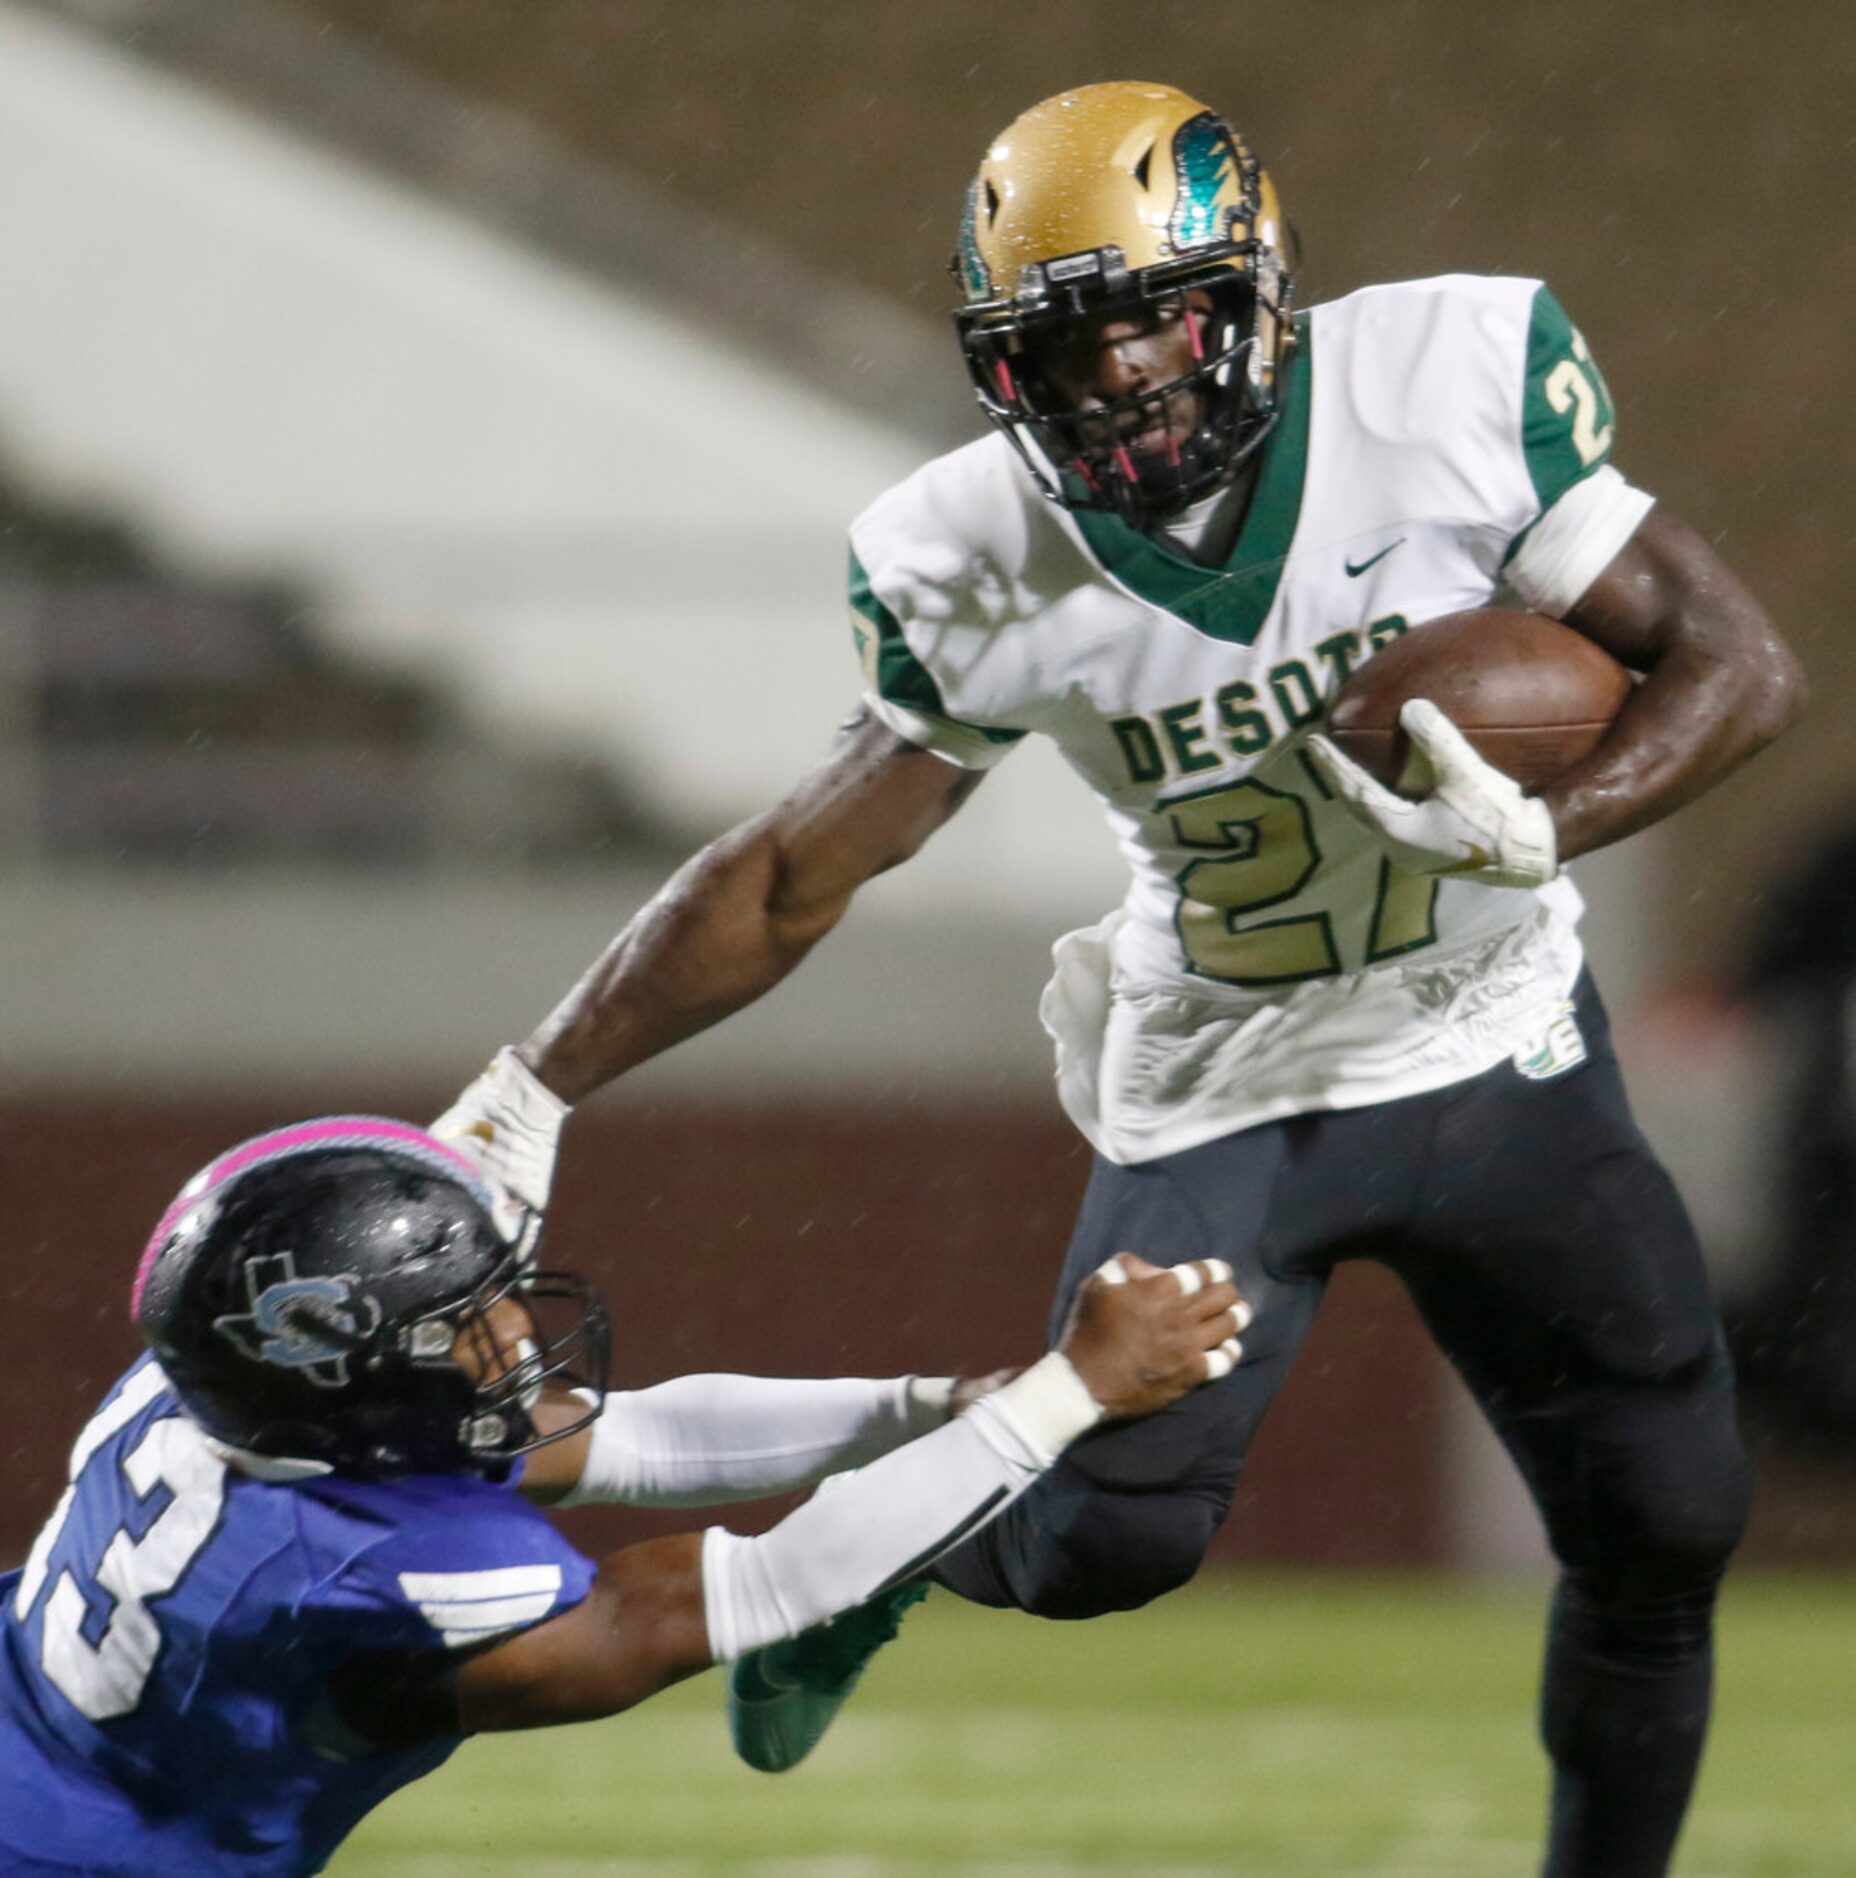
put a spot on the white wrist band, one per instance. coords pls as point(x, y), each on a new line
point(509, 1123)
point(522, 1095)
point(1046, 1408)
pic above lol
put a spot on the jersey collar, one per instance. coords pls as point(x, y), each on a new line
point(1229, 602)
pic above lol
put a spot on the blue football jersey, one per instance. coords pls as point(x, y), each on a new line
point(167, 1649)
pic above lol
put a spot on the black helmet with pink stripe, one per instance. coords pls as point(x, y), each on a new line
point(321, 1299)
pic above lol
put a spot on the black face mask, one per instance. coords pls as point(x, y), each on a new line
point(1147, 455)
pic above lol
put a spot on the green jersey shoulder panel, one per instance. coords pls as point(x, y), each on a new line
point(1568, 420)
point(939, 565)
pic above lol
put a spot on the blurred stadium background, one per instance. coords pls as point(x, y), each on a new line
point(427, 429)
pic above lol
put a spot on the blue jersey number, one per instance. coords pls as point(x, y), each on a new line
point(105, 1677)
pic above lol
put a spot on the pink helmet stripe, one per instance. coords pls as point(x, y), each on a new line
point(330, 1131)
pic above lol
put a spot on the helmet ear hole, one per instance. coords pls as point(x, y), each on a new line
point(1144, 168)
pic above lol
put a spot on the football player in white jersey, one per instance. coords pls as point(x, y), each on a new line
point(1325, 1022)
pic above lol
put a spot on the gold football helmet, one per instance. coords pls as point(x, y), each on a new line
point(1125, 201)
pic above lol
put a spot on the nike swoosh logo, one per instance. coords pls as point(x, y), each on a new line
point(1354, 573)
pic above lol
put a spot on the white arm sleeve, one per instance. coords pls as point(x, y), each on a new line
point(703, 1439)
point(889, 1522)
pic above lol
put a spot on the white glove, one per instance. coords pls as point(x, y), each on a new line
point(509, 1125)
point(1474, 824)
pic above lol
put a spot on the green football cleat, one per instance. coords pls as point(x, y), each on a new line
point(781, 1699)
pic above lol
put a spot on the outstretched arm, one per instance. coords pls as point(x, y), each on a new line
point(702, 1440)
point(734, 920)
point(661, 1611)
point(726, 927)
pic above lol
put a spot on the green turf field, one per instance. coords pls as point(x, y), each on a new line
point(1333, 1726)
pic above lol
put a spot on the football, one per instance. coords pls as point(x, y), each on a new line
point(1531, 695)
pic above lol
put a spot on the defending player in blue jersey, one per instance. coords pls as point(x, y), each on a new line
point(297, 1560)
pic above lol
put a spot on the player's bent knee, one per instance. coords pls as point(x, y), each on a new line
point(1694, 1537)
point(1665, 1493)
point(1674, 1530)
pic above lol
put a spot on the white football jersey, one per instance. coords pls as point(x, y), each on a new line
point(1441, 444)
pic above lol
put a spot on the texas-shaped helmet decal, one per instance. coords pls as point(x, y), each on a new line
point(311, 1324)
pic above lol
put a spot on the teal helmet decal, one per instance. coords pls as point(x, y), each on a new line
point(1204, 157)
point(974, 275)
